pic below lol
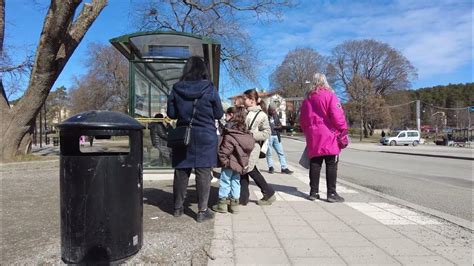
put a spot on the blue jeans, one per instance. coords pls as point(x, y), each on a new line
point(273, 142)
point(229, 184)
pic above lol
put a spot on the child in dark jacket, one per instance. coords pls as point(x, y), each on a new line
point(234, 151)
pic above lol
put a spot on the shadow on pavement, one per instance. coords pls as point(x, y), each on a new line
point(164, 199)
point(289, 190)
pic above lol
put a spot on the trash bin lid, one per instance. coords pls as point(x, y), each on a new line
point(101, 120)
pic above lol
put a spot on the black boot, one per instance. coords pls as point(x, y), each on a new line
point(204, 216)
point(334, 197)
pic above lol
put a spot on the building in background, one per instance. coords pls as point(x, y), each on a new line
point(274, 99)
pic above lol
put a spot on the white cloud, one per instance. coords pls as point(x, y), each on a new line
point(436, 36)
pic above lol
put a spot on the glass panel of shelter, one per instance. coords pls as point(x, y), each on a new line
point(156, 63)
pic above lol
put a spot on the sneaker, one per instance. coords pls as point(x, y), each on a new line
point(221, 206)
point(334, 197)
point(271, 170)
point(313, 196)
point(286, 171)
point(234, 206)
point(266, 201)
point(204, 216)
point(178, 212)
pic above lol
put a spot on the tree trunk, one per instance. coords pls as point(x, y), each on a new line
point(366, 129)
point(59, 38)
point(17, 137)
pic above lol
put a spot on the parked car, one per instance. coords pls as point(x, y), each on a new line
point(404, 137)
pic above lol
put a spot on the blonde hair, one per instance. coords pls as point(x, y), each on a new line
point(319, 82)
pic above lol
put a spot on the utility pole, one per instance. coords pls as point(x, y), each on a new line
point(41, 128)
point(418, 120)
point(361, 123)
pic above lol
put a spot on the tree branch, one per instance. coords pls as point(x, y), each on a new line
point(78, 29)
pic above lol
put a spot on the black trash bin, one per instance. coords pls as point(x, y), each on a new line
point(101, 190)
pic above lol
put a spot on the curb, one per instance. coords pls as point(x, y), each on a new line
point(431, 155)
point(398, 152)
point(444, 216)
point(448, 217)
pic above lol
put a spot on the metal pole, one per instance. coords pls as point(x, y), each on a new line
point(361, 123)
point(45, 126)
point(41, 128)
point(418, 120)
point(469, 116)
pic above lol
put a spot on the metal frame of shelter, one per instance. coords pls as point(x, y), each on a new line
point(156, 61)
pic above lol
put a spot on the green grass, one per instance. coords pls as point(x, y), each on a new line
point(29, 158)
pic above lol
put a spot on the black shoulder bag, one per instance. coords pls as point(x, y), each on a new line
point(180, 136)
point(262, 154)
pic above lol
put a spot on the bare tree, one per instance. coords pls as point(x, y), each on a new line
point(216, 19)
point(56, 103)
point(61, 34)
point(105, 85)
point(384, 67)
point(292, 77)
point(366, 106)
point(403, 111)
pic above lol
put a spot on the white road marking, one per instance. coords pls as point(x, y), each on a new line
point(390, 214)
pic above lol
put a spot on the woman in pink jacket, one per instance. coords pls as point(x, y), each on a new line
point(324, 124)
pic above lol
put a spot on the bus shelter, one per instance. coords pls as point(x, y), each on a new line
point(156, 61)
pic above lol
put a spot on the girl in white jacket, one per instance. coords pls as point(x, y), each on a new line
point(257, 122)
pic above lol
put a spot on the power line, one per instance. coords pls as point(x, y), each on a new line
point(393, 106)
point(445, 108)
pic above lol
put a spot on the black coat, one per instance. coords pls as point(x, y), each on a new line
point(202, 150)
point(159, 138)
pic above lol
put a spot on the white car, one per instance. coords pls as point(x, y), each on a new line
point(404, 137)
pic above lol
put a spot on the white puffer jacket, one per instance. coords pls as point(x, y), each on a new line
point(260, 130)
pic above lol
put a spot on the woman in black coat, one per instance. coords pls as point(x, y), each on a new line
point(201, 153)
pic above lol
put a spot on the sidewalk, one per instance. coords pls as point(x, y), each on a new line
point(363, 230)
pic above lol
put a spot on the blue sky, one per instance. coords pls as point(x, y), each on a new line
point(436, 36)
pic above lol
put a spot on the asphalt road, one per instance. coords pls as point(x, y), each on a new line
point(441, 184)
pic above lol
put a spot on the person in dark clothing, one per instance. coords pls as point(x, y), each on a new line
point(383, 134)
point(275, 142)
point(201, 153)
point(159, 139)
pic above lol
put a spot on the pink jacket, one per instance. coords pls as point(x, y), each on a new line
point(322, 120)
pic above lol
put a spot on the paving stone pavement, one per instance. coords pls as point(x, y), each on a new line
point(364, 230)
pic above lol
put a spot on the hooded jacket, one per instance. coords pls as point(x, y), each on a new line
point(159, 138)
point(322, 120)
point(203, 143)
point(235, 149)
point(260, 130)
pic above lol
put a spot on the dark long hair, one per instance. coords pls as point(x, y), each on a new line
point(253, 94)
point(238, 120)
point(195, 69)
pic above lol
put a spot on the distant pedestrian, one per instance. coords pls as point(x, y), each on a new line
point(323, 122)
point(195, 96)
point(383, 134)
point(274, 142)
point(159, 140)
point(239, 101)
point(257, 123)
point(82, 140)
point(234, 152)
